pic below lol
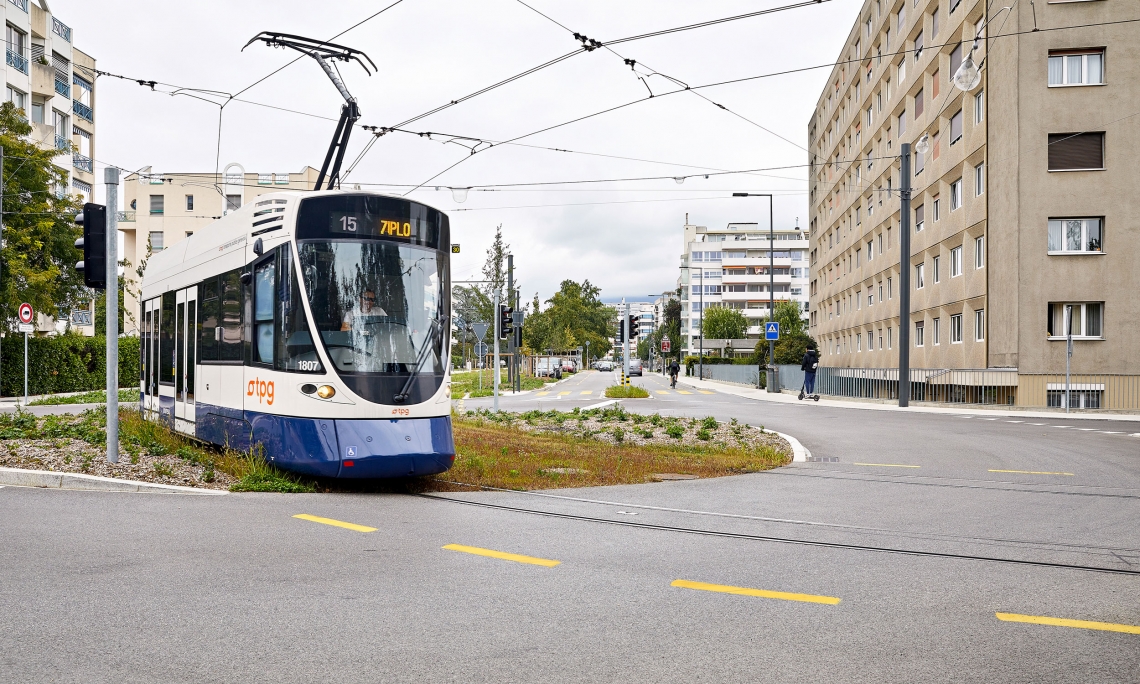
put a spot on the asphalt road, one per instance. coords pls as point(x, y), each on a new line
point(883, 573)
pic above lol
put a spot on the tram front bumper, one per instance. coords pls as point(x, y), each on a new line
point(394, 448)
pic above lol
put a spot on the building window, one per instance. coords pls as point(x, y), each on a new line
point(919, 162)
point(956, 262)
point(265, 179)
point(936, 263)
point(956, 194)
point(20, 100)
point(156, 240)
point(919, 105)
point(918, 48)
point(956, 329)
point(1075, 236)
point(233, 202)
point(890, 289)
point(979, 179)
point(902, 122)
point(1081, 395)
point(281, 178)
point(1076, 151)
point(979, 106)
point(918, 331)
point(919, 273)
point(979, 252)
point(156, 204)
point(919, 216)
point(83, 189)
point(1085, 319)
point(955, 60)
point(189, 202)
point(1076, 68)
point(934, 324)
point(936, 208)
point(979, 325)
point(934, 22)
point(890, 338)
point(956, 127)
point(858, 342)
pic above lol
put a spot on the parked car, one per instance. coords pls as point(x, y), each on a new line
point(548, 367)
point(568, 366)
point(635, 367)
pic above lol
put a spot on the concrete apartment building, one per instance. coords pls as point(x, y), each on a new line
point(53, 82)
point(731, 265)
point(1024, 204)
point(163, 208)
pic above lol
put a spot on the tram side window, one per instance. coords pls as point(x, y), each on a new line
point(264, 282)
point(143, 367)
point(195, 331)
point(208, 338)
point(231, 342)
point(295, 349)
point(166, 341)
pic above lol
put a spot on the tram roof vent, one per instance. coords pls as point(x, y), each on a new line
point(276, 201)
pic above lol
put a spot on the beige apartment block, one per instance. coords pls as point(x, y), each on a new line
point(1022, 210)
point(163, 208)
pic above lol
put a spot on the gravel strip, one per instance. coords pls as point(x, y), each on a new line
point(75, 456)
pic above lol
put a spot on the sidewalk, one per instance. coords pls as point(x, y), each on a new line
point(784, 398)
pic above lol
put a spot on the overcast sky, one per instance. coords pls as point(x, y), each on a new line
point(624, 237)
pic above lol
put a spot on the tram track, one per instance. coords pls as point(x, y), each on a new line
point(792, 540)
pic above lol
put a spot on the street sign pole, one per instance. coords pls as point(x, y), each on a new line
point(772, 335)
point(27, 315)
point(495, 371)
point(111, 178)
point(25, 368)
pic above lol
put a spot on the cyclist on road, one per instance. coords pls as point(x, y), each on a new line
point(674, 369)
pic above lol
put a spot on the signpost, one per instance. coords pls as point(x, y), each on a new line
point(772, 334)
point(666, 345)
point(26, 316)
point(772, 331)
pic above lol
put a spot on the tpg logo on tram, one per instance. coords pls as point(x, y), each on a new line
point(262, 389)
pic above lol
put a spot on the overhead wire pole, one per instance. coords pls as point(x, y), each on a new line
point(111, 178)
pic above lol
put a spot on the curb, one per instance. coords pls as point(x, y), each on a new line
point(18, 477)
point(800, 453)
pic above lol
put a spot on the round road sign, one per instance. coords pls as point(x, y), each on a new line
point(26, 313)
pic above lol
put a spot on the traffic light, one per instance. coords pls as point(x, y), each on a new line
point(505, 321)
point(93, 218)
point(633, 325)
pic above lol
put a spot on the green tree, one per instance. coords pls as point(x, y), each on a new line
point(37, 261)
point(572, 316)
point(794, 339)
point(720, 323)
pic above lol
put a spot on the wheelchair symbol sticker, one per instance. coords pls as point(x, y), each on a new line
point(350, 452)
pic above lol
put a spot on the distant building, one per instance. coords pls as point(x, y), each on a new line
point(163, 208)
point(728, 267)
point(53, 82)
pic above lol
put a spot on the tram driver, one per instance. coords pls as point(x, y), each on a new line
point(366, 309)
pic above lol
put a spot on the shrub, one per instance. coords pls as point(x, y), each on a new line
point(709, 423)
point(704, 434)
point(619, 435)
point(65, 363)
point(675, 431)
point(626, 392)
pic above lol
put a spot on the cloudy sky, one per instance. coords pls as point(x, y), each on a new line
point(623, 236)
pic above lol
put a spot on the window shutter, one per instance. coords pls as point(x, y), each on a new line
point(955, 60)
point(956, 127)
point(1068, 151)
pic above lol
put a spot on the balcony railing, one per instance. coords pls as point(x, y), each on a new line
point(17, 61)
point(22, 4)
point(82, 110)
point(62, 88)
point(62, 142)
point(82, 163)
point(61, 29)
point(126, 216)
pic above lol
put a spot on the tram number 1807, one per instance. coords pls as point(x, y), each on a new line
point(308, 365)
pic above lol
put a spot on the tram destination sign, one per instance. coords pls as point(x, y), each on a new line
point(372, 217)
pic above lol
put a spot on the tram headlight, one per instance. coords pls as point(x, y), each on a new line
point(326, 391)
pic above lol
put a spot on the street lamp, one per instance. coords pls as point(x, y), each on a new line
point(772, 380)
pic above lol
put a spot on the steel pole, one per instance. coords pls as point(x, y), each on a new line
point(701, 357)
point(904, 276)
point(511, 339)
point(625, 343)
point(111, 178)
point(771, 290)
point(495, 371)
point(1068, 356)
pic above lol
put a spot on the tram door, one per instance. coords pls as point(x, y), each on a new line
point(152, 313)
point(186, 357)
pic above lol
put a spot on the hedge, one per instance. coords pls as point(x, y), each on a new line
point(691, 361)
point(64, 363)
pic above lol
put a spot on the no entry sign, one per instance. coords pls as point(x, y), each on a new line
point(26, 313)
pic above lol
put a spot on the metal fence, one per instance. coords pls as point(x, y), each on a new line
point(997, 387)
point(733, 373)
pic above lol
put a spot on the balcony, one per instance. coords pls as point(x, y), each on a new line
point(22, 4)
point(82, 163)
point(81, 110)
point(61, 88)
point(17, 61)
point(62, 142)
point(61, 29)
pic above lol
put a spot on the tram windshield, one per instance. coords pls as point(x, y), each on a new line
point(376, 304)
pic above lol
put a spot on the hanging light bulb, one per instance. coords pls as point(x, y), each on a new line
point(459, 194)
point(923, 144)
point(968, 75)
point(679, 179)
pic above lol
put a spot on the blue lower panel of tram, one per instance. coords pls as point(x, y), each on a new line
point(327, 447)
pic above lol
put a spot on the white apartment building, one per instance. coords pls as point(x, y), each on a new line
point(54, 84)
point(728, 267)
point(163, 208)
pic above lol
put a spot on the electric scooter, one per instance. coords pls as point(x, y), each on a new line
point(809, 396)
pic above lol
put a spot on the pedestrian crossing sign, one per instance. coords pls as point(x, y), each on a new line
point(772, 330)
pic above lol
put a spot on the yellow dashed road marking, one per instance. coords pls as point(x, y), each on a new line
point(335, 523)
point(762, 593)
point(502, 555)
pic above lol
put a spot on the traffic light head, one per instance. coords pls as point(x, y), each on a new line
point(93, 244)
point(632, 326)
point(505, 321)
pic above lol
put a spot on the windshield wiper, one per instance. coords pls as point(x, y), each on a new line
point(429, 342)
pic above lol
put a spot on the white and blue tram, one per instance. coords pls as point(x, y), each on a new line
point(315, 324)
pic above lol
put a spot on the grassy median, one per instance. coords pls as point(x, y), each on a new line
point(552, 449)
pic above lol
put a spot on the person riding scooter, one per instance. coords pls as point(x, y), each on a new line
point(809, 365)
